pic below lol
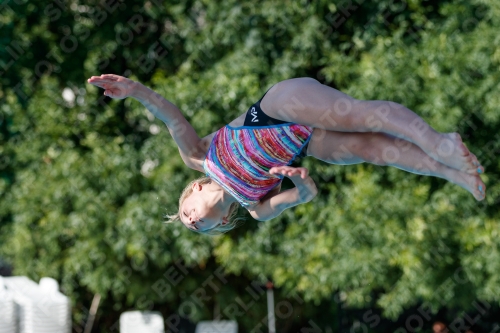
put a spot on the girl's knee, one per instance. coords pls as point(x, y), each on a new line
point(372, 149)
point(301, 80)
point(296, 83)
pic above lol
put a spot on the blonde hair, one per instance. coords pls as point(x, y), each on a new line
point(219, 229)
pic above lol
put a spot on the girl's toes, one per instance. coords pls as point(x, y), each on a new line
point(468, 165)
point(477, 187)
point(474, 159)
point(476, 163)
point(482, 191)
point(478, 195)
point(476, 167)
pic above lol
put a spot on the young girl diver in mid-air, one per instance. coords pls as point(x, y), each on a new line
point(246, 160)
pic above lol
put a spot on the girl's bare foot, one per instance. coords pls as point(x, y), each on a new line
point(451, 151)
point(479, 168)
point(471, 183)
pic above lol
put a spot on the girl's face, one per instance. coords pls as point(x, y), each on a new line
point(198, 211)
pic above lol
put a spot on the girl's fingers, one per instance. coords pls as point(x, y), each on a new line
point(109, 92)
point(106, 77)
point(289, 171)
point(96, 83)
point(113, 76)
point(101, 85)
point(101, 80)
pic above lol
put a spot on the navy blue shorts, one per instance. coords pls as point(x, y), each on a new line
point(256, 117)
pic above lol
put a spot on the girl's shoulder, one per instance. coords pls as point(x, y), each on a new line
point(204, 145)
point(238, 122)
point(207, 140)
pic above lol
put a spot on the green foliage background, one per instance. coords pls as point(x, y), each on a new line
point(79, 203)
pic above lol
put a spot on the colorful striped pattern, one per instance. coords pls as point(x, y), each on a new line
point(239, 159)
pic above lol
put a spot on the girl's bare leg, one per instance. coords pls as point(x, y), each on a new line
point(384, 149)
point(306, 101)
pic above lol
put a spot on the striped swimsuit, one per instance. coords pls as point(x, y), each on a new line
point(239, 158)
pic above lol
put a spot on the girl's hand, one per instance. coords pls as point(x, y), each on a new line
point(289, 171)
point(115, 86)
point(303, 183)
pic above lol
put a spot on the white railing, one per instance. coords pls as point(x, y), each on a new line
point(141, 322)
point(8, 321)
point(38, 308)
point(219, 326)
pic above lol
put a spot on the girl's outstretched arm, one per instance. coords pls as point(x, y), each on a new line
point(304, 191)
point(183, 133)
